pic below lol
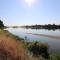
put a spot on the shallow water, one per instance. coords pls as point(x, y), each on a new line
point(54, 44)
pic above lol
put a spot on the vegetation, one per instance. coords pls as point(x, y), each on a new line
point(39, 49)
point(1, 25)
point(14, 48)
point(8, 34)
point(49, 27)
point(11, 47)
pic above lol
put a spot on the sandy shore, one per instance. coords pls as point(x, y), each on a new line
point(44, 35)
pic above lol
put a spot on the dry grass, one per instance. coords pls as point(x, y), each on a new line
point(10, 49)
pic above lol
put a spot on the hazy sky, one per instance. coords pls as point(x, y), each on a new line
point(27, 12)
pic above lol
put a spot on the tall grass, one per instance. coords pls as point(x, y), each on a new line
point(40, 51)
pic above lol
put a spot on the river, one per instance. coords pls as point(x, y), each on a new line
point(40, 35)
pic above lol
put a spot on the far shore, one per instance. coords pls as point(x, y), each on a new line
point(44, 35)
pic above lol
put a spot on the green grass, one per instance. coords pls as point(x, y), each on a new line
point(28, 45)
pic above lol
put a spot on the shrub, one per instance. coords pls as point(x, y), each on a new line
point(1, 24)
point(39, 49)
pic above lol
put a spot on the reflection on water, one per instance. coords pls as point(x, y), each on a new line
point(53, 43)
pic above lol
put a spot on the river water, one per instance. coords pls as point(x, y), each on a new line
point(54, 43)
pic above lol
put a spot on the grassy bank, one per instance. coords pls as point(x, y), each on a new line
point(39, 51)
point(11, 47)
point(8, 34)
point(15, 48)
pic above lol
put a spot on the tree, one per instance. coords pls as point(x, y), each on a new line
point(1, 24)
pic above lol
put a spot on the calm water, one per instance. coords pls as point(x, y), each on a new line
point(54, 44)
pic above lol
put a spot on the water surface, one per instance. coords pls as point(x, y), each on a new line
point(52, 42)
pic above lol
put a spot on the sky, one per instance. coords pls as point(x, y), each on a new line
point(29, 12)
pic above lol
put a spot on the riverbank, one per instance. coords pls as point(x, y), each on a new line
point(10, 47)
point(14, 48)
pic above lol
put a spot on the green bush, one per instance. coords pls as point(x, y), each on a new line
point(39, 49)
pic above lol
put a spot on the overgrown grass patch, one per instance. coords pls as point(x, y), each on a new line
point(37, 49)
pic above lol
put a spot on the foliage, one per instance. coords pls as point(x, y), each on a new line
point(18, 38)
point(1, 24)
point(39, 49)
point(49, 27)
point(54, 57)
point(8, 34)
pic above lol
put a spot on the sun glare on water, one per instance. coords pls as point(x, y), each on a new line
point(29, 2)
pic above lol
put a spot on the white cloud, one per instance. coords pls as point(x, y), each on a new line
point(29, 2)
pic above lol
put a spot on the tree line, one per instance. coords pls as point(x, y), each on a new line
point(47, 26)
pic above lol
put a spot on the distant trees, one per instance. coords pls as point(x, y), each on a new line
point(1, 24)
point(49, 27)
